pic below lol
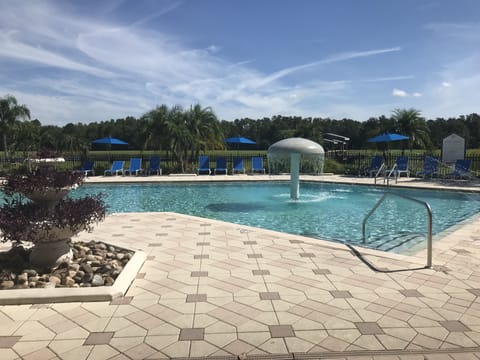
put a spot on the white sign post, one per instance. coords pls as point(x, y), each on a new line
point(453, 148)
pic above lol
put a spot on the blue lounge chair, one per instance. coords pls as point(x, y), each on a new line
point(220, 165)
point(203, 164)
point(154, 166)
point(461, 169)
point(87, 167)
point(401, 166)
point(238, 165)
point(375, 165)
point(135, 166)
point(430, 167)
point(117, 167)
point(257, 165)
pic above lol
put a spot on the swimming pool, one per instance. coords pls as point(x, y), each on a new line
point(327, 211)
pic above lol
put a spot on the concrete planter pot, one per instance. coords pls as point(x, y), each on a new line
point(52, 246)
point(48, 197)
point(51, 254)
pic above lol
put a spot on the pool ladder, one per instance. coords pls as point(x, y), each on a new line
point(379, 171)
point(429, 223)
point(387, 174)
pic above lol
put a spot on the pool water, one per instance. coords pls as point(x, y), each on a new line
point(327, 211)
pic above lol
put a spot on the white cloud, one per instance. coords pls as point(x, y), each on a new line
point(402, 93)
point(92, 68)
point(446, 84)
point(390, 78)
point(329, 60)
point(15, 50)
point(213, 49)
point(399, 93)
point(131, 68)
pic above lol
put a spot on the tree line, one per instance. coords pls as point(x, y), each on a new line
point(187, 132)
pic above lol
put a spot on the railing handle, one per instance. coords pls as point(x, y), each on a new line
point(429, 223)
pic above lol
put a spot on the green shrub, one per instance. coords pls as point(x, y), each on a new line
point(332, 166)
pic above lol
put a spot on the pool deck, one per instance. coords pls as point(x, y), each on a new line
point(216, 290)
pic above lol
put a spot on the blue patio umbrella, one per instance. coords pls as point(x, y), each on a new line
point(239, 140)
point(387, 137)
point(109, 141)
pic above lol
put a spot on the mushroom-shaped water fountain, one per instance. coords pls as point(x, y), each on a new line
point(294, 149)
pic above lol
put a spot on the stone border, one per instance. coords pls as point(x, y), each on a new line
point(58, 295)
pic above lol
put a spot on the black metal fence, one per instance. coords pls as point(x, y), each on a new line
point(351, 162)
point(103, 161)
point(355, 162)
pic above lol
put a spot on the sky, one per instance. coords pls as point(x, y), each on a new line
point(82, 61)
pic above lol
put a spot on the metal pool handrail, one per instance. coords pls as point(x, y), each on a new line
point(429, 224)
point(382, 168)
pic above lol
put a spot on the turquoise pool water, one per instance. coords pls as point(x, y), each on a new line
point(327, 211)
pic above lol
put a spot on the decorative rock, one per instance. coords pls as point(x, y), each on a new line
point(7, 284)
point(105, 262)
point(100, 246)
point(22, 278)
point(97, 280)
point(60, 273)
point(55, 280)
point(33, 278)
point(31, 272)
point(90, 258)
point(116, 272)
point(87, 268)
point(69, 281)
point(74, 266)
point(87, 278)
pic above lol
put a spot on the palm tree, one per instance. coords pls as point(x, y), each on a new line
point(27, 136)
point(409, 122)
point(10, 111)
point(204, 129)
point(180, 138)
point(183, 133)
point(156, 129)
